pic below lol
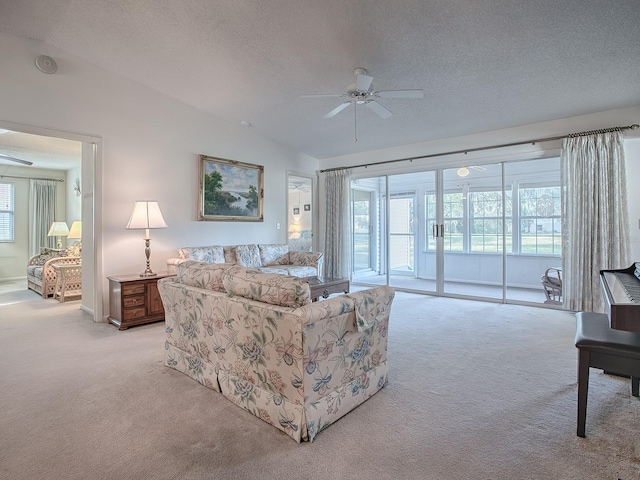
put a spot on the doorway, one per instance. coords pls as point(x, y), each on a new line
point(300, 212)
point(85, 189)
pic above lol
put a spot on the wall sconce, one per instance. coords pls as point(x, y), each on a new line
point(146, 214)
point(58, 229)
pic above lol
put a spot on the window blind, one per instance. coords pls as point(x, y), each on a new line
point(6, 212)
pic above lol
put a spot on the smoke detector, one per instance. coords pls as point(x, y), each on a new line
point(46, 64)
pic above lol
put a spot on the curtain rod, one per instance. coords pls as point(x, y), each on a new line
point(32, 178)
point(478, 149)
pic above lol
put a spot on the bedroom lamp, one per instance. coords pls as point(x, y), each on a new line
point(75, 232)
point(58, 229)
point(146, 214)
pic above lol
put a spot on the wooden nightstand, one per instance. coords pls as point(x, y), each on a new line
point(134, 300)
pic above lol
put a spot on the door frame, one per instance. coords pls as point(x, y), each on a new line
point(91, 187)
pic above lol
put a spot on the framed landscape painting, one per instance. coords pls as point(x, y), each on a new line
point(230, 190)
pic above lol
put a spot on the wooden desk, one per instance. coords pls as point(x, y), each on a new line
point(325, 286)
point(68, 281)
point(134, 300)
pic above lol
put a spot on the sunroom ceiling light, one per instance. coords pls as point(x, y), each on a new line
point(462, 172)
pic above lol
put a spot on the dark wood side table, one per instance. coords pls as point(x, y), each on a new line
point(135, 300)
point(325, 286)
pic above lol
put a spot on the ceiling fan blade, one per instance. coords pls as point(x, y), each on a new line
point(13, 159)
point(337, 110)
point(416, 93)
point(322, 95)
point(381, 110)
point(363, 82)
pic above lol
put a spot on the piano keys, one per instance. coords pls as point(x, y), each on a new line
point(621, 292)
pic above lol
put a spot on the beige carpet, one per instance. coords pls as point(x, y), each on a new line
point(477, 391)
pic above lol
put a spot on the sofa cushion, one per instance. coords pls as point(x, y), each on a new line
point(230, 254)
point(248, 256)
point(35, 271)
point(202, 275)
point(44, 258)
point(269, 288)
point(274, 254)
point(212, 254)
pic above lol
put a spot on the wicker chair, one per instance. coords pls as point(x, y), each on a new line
point(552, 284)
point(41, 277)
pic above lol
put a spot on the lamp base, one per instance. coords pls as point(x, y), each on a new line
point(148, 274)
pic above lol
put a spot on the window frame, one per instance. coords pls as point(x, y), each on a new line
point(7, 209)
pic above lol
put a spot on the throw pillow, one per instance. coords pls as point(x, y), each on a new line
point(212, 254)
point(248, 256)
point(274, 254)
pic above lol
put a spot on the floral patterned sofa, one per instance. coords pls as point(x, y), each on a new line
point(268, 258)
point(41, 277)
point(259, 340)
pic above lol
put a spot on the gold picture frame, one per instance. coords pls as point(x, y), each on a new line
point(230, 191)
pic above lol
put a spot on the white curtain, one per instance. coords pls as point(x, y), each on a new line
point(337, 235)
point(595, 219)
point(42, 199)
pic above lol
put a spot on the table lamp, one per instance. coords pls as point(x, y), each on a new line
point(146, 214)
point(75, 233)
point(58, 229)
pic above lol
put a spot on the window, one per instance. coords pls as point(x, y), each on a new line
point(6, 212)
point(540, 220)
point(454, 204)
point(538, 212)
point(485, 220)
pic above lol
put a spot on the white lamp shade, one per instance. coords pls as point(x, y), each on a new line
point(146, 214)
point(75, 233)
point(58, 229)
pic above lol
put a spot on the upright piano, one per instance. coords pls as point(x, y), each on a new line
point(621, 292)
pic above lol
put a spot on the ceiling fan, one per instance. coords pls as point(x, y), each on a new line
point(13, 159)
point(361, 92)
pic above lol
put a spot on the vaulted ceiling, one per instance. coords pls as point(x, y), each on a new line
point(483, 65)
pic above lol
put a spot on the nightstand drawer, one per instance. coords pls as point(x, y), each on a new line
point(131, 313)
point(134, 301)
point(133, 289)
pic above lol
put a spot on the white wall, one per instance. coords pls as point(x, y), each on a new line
point(74, 202)
point(150, 147)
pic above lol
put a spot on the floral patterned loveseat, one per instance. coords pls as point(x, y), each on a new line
point(258, 340)
point(268, 258)
point(41, 277)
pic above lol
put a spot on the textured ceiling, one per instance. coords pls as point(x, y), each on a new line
point(483, 65)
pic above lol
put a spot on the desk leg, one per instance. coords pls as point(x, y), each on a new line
point(583, 389)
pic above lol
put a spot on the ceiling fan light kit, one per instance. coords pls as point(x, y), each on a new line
point(361, 93)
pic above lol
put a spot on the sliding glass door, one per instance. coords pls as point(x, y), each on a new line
point(412, 254)
point(368, 200)
point(485, 231)
point(473, 219)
